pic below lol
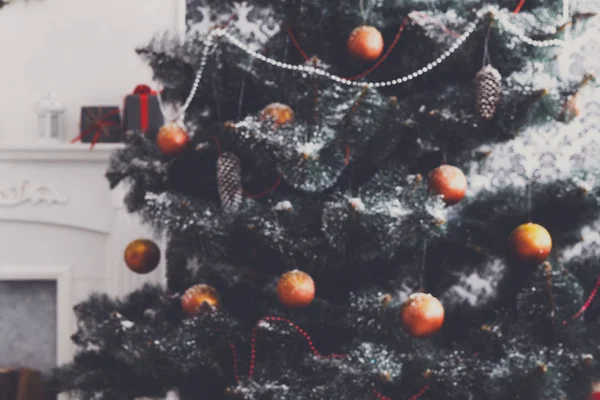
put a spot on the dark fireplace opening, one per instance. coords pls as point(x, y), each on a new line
point(28, 331)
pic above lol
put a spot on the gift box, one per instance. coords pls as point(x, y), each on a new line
point(142, 111)
point(100, 125)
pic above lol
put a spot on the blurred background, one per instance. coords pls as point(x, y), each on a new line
point(82, 51)
point(62, 230)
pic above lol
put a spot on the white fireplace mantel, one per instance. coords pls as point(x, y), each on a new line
point(61, 152)
point(56, 208)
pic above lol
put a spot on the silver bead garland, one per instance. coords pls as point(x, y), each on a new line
point(521, 36)
point(210, 45)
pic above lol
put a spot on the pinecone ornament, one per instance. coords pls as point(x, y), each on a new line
point(489, 91)
point(229, 181)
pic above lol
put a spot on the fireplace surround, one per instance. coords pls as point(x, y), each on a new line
point(60, 222)
point(60, 276)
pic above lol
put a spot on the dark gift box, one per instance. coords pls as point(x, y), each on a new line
point(142, 112)
point(99, 125)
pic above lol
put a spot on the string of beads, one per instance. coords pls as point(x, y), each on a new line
point(511, 28)
point(222, 33)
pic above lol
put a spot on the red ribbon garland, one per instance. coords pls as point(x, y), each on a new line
point(98, 128)
point(311, 346)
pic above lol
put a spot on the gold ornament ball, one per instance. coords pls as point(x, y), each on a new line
point(172, 139)
point(449, 182)
point(194, 298)
point(295, 289)
point(422, 315)
point(531, 243)
point(365, 43)
point(279, 113)
point(142, 256)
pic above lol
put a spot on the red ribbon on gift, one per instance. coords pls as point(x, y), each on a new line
point(99, 127)
point(144, 91)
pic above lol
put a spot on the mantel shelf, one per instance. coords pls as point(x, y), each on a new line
point(77, 152)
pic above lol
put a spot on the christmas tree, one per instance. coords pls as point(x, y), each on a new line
point(363, 200)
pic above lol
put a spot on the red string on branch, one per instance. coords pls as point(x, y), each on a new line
point(253, 353)
point(234, 356)
point(414, 397)
point(519, 6)
point(297, 45)
point(266, 192)
point(586, 305)
point(301, 331)
point(380, 396)
point(421, 393)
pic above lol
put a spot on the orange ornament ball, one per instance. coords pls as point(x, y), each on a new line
point(172, 139)
point(279, 113)
point(365, 43)
point(295, 289)
point(531, 243)
point(198, 297)
point(142, 256)
point(449, 182)
point(422, 315)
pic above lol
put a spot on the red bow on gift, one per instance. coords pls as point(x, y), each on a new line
point(143, 89)
point(99, 127)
